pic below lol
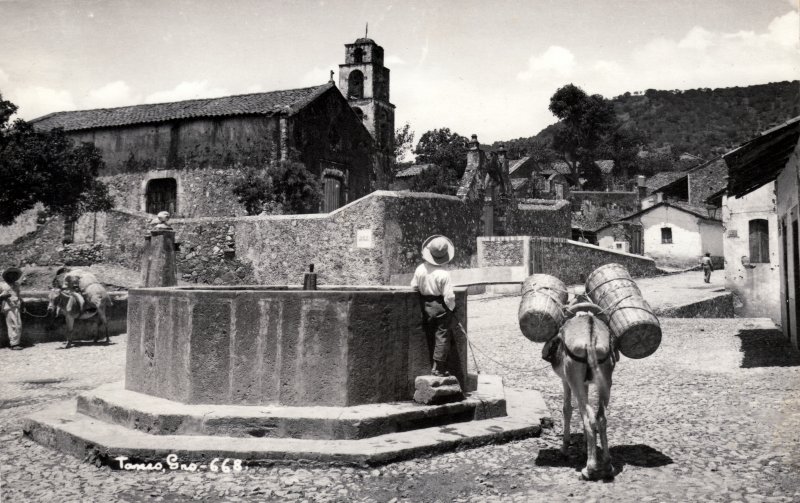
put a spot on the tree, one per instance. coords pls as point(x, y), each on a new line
point(435, 179)
point(286, 187)
point(445, 149)
point(585, 123)
point(47, 167)
point(403, 142)
point(623, 145)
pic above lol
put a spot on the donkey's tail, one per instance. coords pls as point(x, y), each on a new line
point(591, 357)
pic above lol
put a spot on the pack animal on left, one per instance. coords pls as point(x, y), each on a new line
point(75, 303)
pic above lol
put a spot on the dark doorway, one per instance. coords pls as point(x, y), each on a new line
point(796, 263)
point(332, 189)
point(162, 195)
point(785, 247)
point(636, 240)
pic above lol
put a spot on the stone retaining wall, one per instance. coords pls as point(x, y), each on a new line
point(573, 261)
point(362, 243)
point(570, 261)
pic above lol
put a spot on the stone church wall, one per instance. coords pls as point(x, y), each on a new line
point(185, 144)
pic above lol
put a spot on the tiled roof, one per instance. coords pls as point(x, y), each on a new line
point(662, 179)
point(271, 103)
point(414, 170)
point(515, 165)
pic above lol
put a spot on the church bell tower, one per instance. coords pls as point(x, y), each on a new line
point(364, 81)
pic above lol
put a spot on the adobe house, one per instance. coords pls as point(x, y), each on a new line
point(181, 157)
point(774, 156)
point(673, 233)
point(750, 243)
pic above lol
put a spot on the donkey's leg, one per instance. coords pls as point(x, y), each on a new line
point(602, 422)
point(567, 416)
point(587, 415)
point(104, 320)
point(70, 325)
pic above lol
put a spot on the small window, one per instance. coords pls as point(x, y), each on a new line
point(358, 55)
point(666, 235)
point(759, 241)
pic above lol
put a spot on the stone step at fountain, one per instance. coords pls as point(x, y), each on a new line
point(112, 403)
point(64, 428)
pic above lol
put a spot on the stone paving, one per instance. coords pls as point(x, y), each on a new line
point(713, 415)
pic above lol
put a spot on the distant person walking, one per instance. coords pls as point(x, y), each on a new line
point(11, 305)
point(708, 266)
point(437, 298)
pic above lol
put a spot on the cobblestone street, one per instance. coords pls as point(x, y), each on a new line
point(713, 415)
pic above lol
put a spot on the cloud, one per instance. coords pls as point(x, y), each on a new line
point(186, 91)
point(318, 76)
point(393, 60)
point(36, 101)
point(113, 94)
point(555, 60)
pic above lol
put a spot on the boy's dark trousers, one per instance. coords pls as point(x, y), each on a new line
point(437, 321)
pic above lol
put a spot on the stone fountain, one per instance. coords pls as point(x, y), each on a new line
point(279, 373)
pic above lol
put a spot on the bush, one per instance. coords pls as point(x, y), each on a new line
point(283, 188)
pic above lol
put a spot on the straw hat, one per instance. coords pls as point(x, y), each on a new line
point(438, 250)
point(12, 274)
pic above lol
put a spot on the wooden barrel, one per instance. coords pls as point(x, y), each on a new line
point(631, 318)
point(541, 310)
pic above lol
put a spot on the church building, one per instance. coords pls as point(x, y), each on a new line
point(182, 157)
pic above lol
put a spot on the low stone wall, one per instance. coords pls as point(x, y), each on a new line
point(495, 251)
point(539, 217)
point(38, 328)
point(573, 261)
point(570, 261)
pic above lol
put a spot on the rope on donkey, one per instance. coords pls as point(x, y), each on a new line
point(25, 310)
point(473, 347)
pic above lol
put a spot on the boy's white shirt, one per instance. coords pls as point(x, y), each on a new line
point(431, 279)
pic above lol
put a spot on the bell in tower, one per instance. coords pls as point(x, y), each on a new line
point(364, 81)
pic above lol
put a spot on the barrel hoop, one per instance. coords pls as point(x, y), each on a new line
point(541, 288)
point(609, 281)
point(643, 309)
point(543, 291)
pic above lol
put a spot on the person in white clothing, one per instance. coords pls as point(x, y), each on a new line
point(437, 298)
point(11, 306)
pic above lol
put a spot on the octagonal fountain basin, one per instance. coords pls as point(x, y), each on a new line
point(281, 345)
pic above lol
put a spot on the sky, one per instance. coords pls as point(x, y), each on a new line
point(477, 67)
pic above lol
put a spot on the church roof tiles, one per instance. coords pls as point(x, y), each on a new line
point(271, 103)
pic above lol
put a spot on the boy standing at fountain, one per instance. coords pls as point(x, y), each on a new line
point(438, 301)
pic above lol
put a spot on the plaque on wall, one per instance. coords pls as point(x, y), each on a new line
point(364, 238)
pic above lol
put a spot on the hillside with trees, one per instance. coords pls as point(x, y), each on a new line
point(702, 122)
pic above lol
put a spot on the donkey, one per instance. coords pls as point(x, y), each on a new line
point(74, 307)
point(585, 355)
